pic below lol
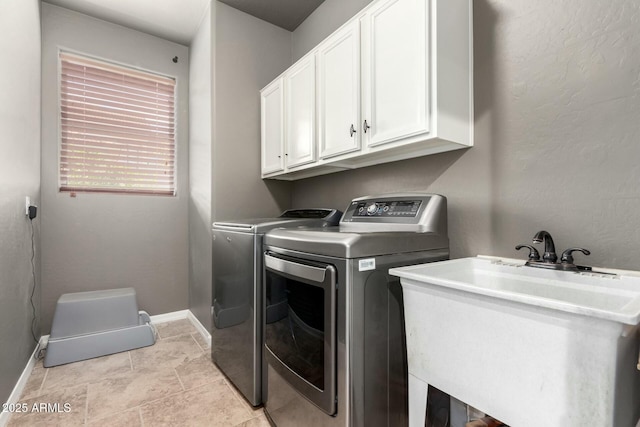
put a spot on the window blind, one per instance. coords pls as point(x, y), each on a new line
point(117, 128)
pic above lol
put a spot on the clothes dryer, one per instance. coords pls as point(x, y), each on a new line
point(335, 344)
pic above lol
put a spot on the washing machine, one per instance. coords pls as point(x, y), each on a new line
point(335, 348)
point(236, 335)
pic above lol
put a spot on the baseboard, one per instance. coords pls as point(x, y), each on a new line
point(22, 381)
point(196, 323)
point(26, 373)
point(183, 314)
point(169, 317)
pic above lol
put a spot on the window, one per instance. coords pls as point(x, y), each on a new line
point(118, 128)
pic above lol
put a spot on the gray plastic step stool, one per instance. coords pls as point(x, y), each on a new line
point(97, 323)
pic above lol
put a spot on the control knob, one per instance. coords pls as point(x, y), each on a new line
point(372, 209)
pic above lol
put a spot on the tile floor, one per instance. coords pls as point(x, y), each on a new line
point(172, 383)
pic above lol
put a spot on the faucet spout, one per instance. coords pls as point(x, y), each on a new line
point(549, 247)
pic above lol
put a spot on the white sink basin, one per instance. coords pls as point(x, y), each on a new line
point(605, 296)
point(527, 345)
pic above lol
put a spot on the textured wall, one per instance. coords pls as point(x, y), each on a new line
point(102, 241)
point(19, 177)
point(247, 54)
point(200, 132)
point(557, 130)
point(328, 17)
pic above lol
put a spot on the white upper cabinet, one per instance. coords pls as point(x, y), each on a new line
point(300, 112)
point(339, 92)
point(394, 82)
point(272, 125)
point(395, 73)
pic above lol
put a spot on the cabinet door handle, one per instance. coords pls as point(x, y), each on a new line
point(365, 126)
point(352, 131)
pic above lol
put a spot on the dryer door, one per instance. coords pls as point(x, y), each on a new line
point(300, 330)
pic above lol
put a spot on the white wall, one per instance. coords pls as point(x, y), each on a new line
point(200, 134)
point(19, 177)
point(102, 241)
point(557, 131)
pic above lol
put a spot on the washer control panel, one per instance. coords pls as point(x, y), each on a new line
point(388, 208)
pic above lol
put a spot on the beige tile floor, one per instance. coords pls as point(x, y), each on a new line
point(172, 383)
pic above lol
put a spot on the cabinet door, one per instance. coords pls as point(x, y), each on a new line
point(300, 113)
point(396, 70)
point(272, 126)
point(339, 92)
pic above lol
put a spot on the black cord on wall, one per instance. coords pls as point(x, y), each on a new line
point(33, 289)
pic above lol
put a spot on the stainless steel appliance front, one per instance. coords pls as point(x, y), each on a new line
point(369, 352)
point(236, 308)
point(367, 358)
point(300, 329)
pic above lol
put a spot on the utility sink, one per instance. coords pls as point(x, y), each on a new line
point(599, 294)
point(529, 346)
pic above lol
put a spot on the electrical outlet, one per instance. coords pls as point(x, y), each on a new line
point(28, 203)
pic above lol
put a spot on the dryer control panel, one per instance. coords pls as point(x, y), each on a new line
point(386, 208)
point(417, 212)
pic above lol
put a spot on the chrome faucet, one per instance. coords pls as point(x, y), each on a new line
point(550, 258)
point(549, 247)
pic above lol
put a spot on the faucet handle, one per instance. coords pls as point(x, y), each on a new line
point(534, 255)
point(567, 257)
